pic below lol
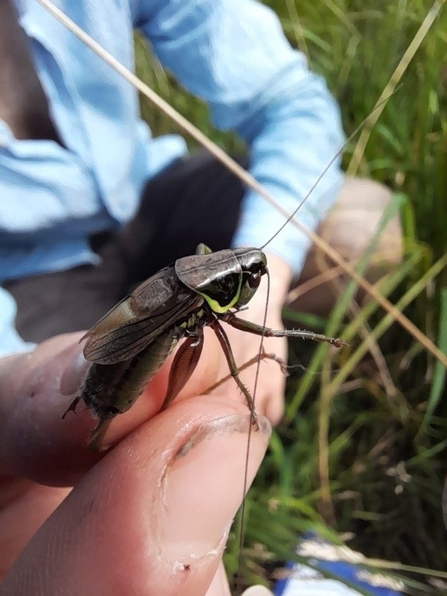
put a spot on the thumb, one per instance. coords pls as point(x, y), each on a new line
point(153, 515)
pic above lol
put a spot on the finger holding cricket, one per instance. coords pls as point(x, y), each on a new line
point(128, 510)
point(150, 469)
point(266, 304)
point(267, 383)
point(35, 442)
point(37, 388)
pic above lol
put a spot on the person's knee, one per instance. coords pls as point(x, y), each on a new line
point(353, 226)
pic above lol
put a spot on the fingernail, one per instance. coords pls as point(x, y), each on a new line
point(257, 591)
point(203, 486)
point(75, 371)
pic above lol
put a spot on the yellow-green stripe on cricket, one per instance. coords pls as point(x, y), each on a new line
point(132, 341)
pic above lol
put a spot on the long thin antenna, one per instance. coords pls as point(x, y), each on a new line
point(255, 387)
point(251, 182)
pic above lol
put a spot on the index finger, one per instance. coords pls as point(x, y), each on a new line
point(35, 441)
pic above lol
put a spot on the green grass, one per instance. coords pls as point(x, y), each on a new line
point(363, 447)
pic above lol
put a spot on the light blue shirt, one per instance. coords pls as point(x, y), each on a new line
point(231, 53)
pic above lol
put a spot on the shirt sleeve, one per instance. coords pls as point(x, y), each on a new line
point(234, 55)
point(44, 187)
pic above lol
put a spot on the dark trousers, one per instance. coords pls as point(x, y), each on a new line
point(194, 200)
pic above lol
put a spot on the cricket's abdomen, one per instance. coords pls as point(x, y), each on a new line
point(111, 389)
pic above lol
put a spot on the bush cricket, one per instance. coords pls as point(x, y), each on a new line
point(132, 341)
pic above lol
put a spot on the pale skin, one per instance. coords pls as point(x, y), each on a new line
point(154, 511)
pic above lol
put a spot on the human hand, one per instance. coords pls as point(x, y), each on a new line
point(149, 516)
point(269, 399)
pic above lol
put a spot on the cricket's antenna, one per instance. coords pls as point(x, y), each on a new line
point(250, 430)
point(362, 124)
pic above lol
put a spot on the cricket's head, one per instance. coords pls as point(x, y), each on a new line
point(253, 263)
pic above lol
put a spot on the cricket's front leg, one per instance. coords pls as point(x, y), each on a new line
point(234, 371)
point(249, 327)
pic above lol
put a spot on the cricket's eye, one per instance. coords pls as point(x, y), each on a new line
point(254, 280)
point(255, 274)
point(250, 283)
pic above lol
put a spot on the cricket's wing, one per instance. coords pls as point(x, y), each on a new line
point(158, 303)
